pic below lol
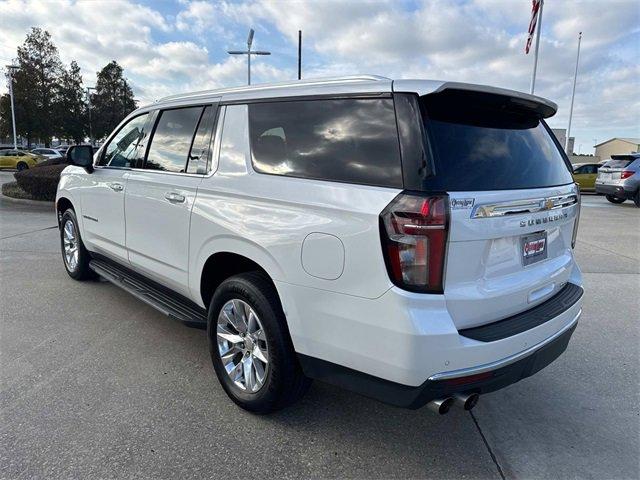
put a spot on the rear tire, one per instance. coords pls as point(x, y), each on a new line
point(251, 296)
point(636, 198)
point(613, 199)
point(22, 166)
point(75, 256)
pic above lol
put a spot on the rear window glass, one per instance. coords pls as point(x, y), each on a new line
point(344, 140)
point(620, 163)
point(485, 143)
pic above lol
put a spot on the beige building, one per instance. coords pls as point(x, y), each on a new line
point(617, 146)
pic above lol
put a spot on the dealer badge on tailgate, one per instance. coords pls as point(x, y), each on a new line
point(534, 247)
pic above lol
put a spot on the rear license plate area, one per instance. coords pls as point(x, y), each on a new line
point(534, 247)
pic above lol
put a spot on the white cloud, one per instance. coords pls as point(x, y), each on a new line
point(482, 41)
point(479, 41)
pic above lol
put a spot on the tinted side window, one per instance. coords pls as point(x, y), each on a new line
point(121, 150)
point(201, 148)
point(172, 139)
point(347, 140)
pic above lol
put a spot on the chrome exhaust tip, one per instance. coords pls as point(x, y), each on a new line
point(440, 405)
point(466, 400)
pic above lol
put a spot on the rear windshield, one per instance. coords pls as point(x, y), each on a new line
point(619, 162)
point(488, 142)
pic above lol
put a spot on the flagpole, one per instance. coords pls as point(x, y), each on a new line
point(573, 94)
point(535, 60)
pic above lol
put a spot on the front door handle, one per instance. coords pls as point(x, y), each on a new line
point(115, 186)
point(174, 197)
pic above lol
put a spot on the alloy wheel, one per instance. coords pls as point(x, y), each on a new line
point(70, 244)
point(242, 345)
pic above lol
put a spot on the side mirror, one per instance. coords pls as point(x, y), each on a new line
point(82, 156)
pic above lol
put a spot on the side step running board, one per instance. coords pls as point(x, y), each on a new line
point(171, 305)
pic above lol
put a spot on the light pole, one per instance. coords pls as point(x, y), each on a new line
point(299, 54)
point(11, 69)
point(573, 94)
point(248, 53)
point(89, 108)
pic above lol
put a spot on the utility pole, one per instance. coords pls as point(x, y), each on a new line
point(10, 70)
point(248, 53)
point(573, 94)
point(299, 54)
point(535, 60)
point(89, 108)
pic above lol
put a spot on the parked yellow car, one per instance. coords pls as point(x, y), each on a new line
point(18, 159)
point(585, 175)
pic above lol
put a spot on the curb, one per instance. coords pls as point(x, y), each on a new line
point(25, 201)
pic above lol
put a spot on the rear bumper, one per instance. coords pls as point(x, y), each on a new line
point(616, 190)
point(405, 338)
point(481, 379)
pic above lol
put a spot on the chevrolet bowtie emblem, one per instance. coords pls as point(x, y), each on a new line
point(548, 204)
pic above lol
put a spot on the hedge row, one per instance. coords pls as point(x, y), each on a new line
point(41, 182)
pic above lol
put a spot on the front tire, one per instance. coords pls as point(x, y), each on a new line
point(75, 257)
point(250, 346)
point(22, 166)
point(615, 200)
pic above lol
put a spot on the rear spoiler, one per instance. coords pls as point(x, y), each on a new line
point(541, 107)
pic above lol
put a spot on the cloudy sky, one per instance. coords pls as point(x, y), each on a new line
point(173, 46)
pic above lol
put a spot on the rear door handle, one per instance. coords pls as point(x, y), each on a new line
point(115, 186)
point(174, 197)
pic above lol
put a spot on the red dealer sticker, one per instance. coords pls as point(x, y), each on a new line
point(534, 247)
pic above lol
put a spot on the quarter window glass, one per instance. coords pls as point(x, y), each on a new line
point(200, 150)
point(121, 150)
point(348, 140)
point(172, 139)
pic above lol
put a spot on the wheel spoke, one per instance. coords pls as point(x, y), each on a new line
point(228, 355)
point(252, 323)
point(234, 371)
point(260, 373)
point(249, 380)
point(259, 334)
point(259, 354)
point(227, 335)
point(231, 319)
point(239, 316)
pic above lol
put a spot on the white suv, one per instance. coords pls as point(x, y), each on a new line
point(409, 240)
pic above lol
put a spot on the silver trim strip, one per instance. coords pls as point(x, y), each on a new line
point(531, 205)
point(464, 372)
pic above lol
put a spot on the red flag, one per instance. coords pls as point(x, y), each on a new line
point(535, 8)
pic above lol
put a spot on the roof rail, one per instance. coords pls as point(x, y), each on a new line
point(263, 86)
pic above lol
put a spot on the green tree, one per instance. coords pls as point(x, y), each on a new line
point(5, 117)
point(35, 86)
point(112, 100)
point(70, 107)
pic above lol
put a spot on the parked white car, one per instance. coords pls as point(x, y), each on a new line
point(47, 152)
point(408, 240)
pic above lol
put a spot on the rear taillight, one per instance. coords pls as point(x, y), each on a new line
point(576, 220)
point(413, 229)
point(626, 174)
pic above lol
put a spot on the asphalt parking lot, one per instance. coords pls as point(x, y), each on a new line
point(96, 384)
